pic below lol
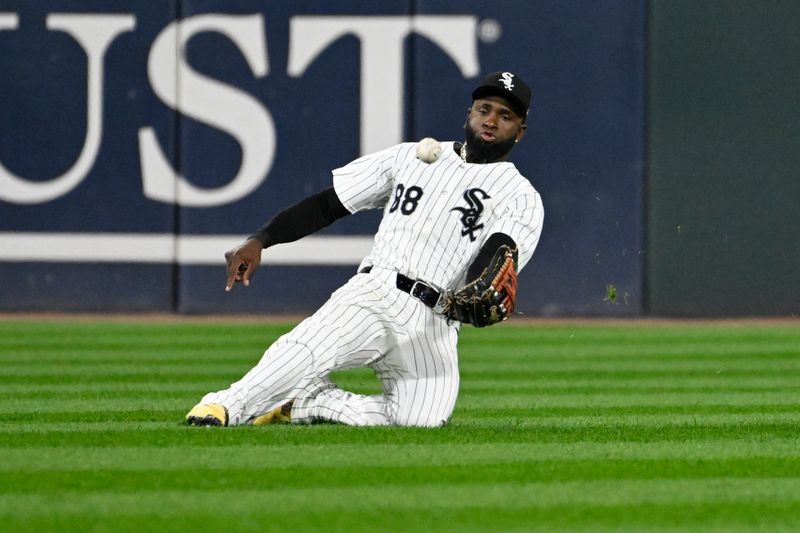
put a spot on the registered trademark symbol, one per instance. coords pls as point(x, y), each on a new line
point(489, 30)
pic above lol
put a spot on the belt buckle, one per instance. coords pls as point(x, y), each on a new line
point(438, 306)
point(413, 292)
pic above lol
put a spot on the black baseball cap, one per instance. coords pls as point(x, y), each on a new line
point(509, 86)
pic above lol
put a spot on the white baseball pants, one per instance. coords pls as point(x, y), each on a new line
point(367, 322)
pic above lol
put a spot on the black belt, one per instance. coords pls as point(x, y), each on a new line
point(418, 289)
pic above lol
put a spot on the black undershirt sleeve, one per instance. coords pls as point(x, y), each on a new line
point(495, 241)
point(301, 219)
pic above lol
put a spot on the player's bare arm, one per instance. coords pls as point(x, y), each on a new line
point(293, 223)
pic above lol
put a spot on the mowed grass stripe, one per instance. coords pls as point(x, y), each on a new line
point(42, 397)
point(620, 389)
point(709, 382)
point(103, 390)
point(180, 456)
point(611, 354)
point(655, 517)
point(108, 340)
point(431, 496)
point(463, 415)
point(186, 351)
point(524, 372)
point(646, 420)
point(117, 369)
point(125, 422)
point(791, 364)
point(733, 354)
point(67, 334)
point(70, 331)
point(616, 410)
point(514, 331)
point(630, 423)
point(473, 385)
point(190, 374)
point(654, 398)
point(302, 476)
point(473, 431)
point(168, 357)
point(665, 369)
point(222, 380)
point(92, 387)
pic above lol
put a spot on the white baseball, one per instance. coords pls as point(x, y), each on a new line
point(428, 150)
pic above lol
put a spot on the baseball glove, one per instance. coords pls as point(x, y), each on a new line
point(490, 298)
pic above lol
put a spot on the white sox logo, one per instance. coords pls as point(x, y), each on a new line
point(507, 80)
point(470, 215)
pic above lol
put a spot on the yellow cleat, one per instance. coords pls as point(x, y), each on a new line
point(207, 414)
point(279, 415)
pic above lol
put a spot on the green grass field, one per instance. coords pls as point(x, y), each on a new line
point(570, 427)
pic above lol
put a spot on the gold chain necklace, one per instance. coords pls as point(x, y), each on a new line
point(463, 152)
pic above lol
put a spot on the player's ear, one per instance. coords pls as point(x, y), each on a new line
point(520, 132)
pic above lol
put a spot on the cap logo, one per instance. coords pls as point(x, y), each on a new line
point(507, 80)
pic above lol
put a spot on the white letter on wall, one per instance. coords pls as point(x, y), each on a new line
point(381, 40)
point(211, 102)
point(94, 33)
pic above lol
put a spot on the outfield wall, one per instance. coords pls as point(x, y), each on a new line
point(140, 140)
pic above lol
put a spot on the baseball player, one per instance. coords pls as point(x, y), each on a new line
point(458, 222)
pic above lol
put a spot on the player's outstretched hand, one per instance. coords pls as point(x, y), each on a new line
point(242, 262)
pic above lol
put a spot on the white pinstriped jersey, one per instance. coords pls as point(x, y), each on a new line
point(437, 216)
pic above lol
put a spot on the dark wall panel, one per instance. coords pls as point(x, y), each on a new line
point(724, 185)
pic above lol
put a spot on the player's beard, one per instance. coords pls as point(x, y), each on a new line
point(480, 151)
